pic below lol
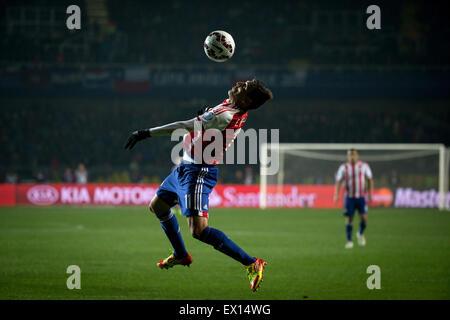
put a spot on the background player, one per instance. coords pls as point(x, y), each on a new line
point(192, 181)
point(354, 173)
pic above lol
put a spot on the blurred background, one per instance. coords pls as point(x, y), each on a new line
point(69, 98)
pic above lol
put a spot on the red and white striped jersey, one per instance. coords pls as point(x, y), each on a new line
point(354, 177)
point(225, 117)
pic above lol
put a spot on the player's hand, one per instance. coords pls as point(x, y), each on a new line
point(136, 136)
point(336, 199)
point(370, 198)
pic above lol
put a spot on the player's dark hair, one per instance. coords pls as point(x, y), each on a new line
point(258, 95)
point(352, 149)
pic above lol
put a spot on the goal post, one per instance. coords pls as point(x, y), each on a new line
point(416, 166)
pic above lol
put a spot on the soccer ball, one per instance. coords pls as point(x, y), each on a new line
point(219, 46)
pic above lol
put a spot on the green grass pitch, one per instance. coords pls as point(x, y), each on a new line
point(117, 249)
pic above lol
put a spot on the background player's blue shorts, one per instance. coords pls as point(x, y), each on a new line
point(189, 185)
point(352, 204)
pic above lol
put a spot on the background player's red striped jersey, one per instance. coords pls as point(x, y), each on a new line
point(354, 177)
point(226, 118)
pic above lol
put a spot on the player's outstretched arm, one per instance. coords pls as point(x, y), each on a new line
point(339, 178)
point(370, 182)
point(165, 130)
point(337, 189)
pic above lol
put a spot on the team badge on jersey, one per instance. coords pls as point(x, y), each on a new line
point(208, 115)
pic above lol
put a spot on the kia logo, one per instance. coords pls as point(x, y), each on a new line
point(42, 195)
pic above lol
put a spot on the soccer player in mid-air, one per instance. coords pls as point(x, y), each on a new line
point(192, 181)
point(353, 174)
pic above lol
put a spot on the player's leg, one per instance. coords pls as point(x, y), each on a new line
point(165, 198)
point(348, 231)
point(216, 238)
point(349, 213)
point(196, 225)
point(363, 222)
point(196, 183)
point(171, 228)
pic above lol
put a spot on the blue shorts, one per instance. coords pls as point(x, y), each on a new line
point(189, 185)
point(350, 204)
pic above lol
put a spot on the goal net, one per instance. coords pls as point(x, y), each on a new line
point(405, 175)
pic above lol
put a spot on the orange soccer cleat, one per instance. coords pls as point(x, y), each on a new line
point(171, 261)
point(255, 273)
